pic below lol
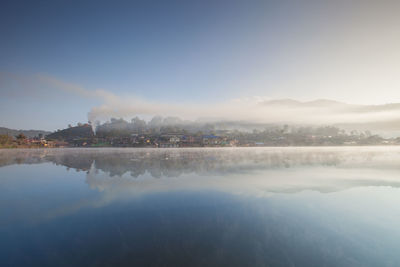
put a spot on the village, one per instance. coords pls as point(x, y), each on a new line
point(83, 135)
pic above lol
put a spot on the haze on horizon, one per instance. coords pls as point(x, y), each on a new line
point(62, 62)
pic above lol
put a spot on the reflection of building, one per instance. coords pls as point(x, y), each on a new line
point(159, 162)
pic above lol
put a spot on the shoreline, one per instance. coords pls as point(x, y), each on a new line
point(196, 147)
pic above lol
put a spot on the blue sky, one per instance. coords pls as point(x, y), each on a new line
point(193, 52)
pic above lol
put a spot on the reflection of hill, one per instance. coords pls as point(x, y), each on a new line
point(71, 158)
point(254, 170)
point(175, 162)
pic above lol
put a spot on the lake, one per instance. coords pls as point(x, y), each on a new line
point(328, 206)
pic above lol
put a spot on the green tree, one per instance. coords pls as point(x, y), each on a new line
point(21, 138)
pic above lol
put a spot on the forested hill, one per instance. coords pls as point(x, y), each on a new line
point(81, 131)
point(27, 133)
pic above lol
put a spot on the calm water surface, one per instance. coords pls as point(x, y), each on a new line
point(200, 207)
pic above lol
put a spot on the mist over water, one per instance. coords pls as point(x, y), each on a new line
point(200, 207)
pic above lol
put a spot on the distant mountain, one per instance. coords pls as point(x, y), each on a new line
point(83, 131)
point(27, 133)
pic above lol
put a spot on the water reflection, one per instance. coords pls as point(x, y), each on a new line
point(200, 207)
point(262, 170)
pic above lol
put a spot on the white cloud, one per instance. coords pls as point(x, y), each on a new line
point(254, 109)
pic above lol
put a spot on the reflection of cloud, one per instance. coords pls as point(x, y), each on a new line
point(244, 171)
point(118, 173)
point(265, 169)
point(258, 183)
point(205, 161)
